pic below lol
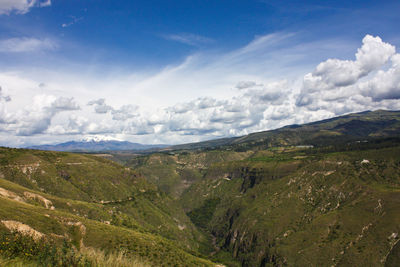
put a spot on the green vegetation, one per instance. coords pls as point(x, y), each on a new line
point(17, 249)
point(342, 206)
point(126, 213)
point(203, 215)
point(16, 245)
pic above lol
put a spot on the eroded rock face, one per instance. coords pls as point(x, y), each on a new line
point(22, 228)
point(9, 194)
point(47, 203)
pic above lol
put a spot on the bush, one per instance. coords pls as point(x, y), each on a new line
point(44, 252)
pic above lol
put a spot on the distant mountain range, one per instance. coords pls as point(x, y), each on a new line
point(97, 146)
point(347, 128)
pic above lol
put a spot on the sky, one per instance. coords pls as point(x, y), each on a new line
point(181, 71)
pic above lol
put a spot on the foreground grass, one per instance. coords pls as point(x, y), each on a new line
point(116, 259)
point(96, 258)
point(17, 262)
point(17, 249)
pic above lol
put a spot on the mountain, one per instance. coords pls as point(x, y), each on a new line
point(96, 146)
point(352, 127)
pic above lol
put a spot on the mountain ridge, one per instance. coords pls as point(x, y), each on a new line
point(96, 146)
point(368, 117)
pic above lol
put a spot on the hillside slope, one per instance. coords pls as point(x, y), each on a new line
point(93, 191)
point(331, 209)
point(19, 210)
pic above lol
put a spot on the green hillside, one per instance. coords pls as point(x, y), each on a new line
point(54, 192)
point(337, 208)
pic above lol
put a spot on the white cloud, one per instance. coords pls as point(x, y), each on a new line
point(17, 45)
point(188, 38)
point(125, 112)
point(336, 73)
point(245, 84)
point(385, 84)
point(197, 104)
point(272, 93)
point(72, 22)
point(6, 98)
point(335, 80)
point(100, 106)
point(21, 6)
point(36, 118)
point(198, 99)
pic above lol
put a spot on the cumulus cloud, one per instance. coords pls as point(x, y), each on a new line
point(272, 93)
point(334, 88)
point(337, 80)
point(100, 106)
point(24, 44)
point(21, 6)
point(3, 97)
point(279, 113)
point(125, 112)
point(370, 81)
point(5, 117)
point(245, 84)
point(334, 73)
point(37, 118)
point(209, 116)
point(197, 104)
point(385, 84)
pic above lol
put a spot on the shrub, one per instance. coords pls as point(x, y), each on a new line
point(44, 252)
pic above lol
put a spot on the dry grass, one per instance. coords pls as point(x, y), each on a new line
point(100, 259)
point(16, 263)
point(96, 257)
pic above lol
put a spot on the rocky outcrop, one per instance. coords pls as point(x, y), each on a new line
point(23, 229)
point(47, 203)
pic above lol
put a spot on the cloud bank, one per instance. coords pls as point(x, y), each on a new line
point(371, 80)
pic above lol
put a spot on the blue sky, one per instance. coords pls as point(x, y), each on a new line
point(182, 71)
